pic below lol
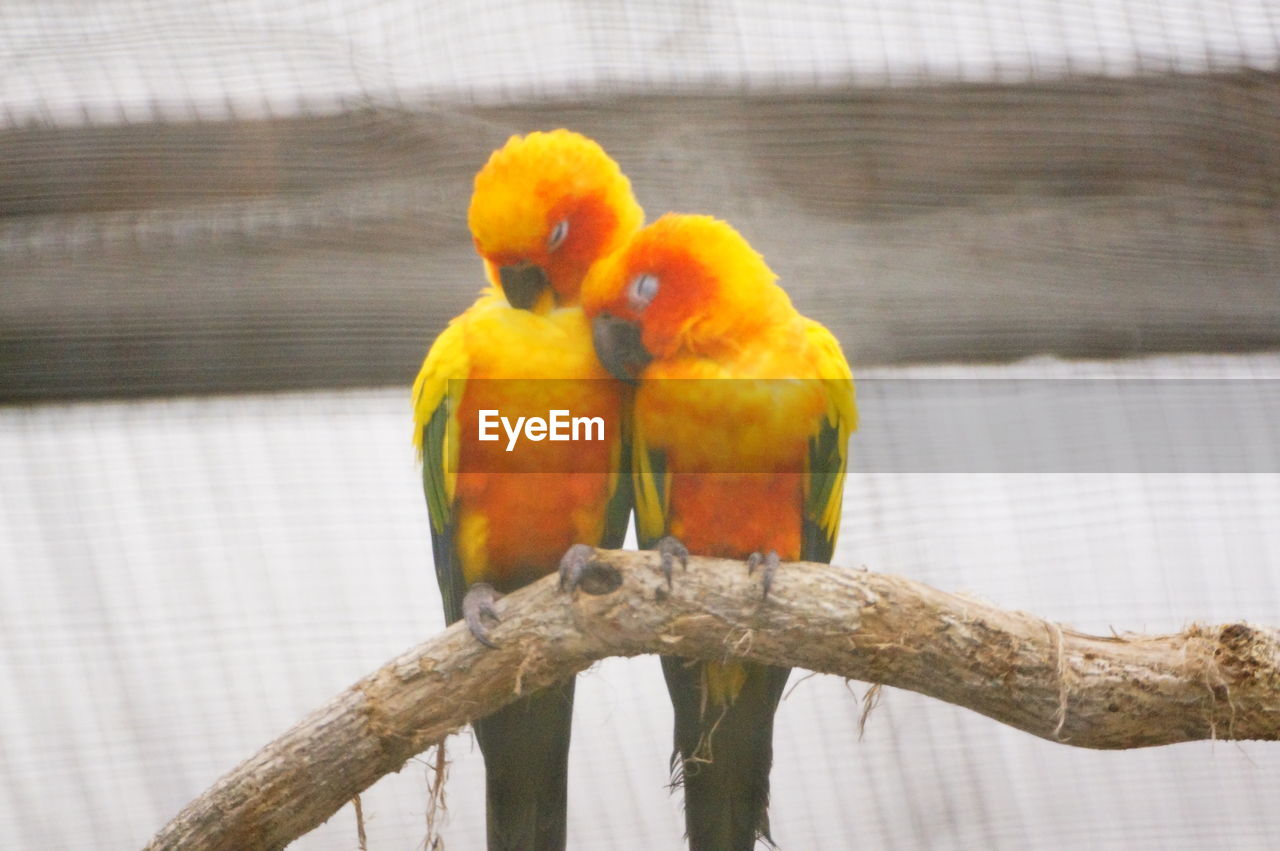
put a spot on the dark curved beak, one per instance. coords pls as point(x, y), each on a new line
point(619, 348)
point(522, 283)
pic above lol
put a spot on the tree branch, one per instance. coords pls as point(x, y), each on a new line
point(1098, 692)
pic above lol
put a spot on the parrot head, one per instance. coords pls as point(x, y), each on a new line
point(546, 207)
point(683, 286)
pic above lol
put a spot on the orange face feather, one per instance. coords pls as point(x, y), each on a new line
point(691, 283)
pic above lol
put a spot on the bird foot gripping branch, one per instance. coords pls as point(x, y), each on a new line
point(670, 549)
point(579, 569)
point(477, 606)
point(770, 561)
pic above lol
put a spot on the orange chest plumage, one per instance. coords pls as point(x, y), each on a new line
point(523, 499)
point(732, 515)
point(736, 449)
point(520, 510)
point(514, 527)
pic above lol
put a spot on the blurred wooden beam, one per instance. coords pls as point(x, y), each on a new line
point(1087, 218)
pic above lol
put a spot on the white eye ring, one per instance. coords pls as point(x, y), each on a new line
point(642, 290)
point(558, 233)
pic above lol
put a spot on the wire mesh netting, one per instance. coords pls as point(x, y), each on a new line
point(270, 196)
point(70, 63)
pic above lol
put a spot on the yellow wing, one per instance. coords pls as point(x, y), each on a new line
point(435, 434)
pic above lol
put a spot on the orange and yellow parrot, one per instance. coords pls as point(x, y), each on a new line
point(545, 208)
point(742, 416)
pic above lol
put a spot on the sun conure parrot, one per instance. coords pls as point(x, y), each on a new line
point(742, 462)
point(545, 208)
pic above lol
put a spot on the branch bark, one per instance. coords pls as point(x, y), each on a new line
point(1088, 691)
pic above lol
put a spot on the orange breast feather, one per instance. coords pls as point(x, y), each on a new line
point(518, 511)
point(737, 449)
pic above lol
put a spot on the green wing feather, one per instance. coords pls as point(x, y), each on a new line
point(621, 501)
point(651, 481)
point(828, 451)
point(435, 394)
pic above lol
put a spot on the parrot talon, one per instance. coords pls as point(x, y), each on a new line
point(671, 549)
point(770, 562)
point(478, 605)
point(573, 565)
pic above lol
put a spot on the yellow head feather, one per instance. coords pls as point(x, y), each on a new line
point(533, 184)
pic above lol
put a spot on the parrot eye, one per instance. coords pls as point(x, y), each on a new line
point(558, 233)
point(642, 290)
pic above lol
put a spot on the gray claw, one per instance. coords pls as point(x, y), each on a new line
point(573, 564)
point(771, 562)
point(671, 549)
point(478, 605)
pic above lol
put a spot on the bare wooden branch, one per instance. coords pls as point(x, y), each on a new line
point(1089, 691)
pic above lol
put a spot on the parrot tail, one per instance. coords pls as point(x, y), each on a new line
point(724, 752)
point(526, 753)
